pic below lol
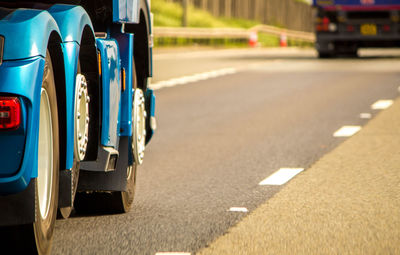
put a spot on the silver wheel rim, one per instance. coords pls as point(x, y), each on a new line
point(139, 126)
point(81, 117)
point(45, 156)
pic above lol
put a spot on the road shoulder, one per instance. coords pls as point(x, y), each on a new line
point(348, 202)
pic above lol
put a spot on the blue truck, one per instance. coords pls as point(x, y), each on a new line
point(76, 112)
point(344, 26)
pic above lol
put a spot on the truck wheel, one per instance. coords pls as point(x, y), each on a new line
point(100, 203)
point(36, 238)
point(81, 133)
point(325, 54)
point(48, 164)
point(128, 195)
point(139, 130)
point(124, 199)
point(120, 201)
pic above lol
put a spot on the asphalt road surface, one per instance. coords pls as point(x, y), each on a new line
point(227, 120)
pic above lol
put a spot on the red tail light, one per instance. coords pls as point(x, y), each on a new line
point(10, 113)
point(322, 24)
point(386, 28)
point(350, 28)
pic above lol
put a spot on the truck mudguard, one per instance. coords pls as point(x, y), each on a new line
point(26, 35)
point(111, 91)
point(71, 38)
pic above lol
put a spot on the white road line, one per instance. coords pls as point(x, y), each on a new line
point(382, 104)
point(347, 131)
point(192, 78)
point(365, 115)
point(238, 209)
point(281, 176)
point(172, 253)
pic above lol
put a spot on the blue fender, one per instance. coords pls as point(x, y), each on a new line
point(65, 15)
point(26, 34)
point(24, 79)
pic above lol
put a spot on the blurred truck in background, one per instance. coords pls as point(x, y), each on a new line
point(344, 26)
point(75, 112)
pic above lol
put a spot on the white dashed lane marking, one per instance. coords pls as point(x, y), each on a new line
point(172, 253)
point(347, 131)
point(192, 78)
point(382, 104)
point(365, 115)
point(281, 176)
point(238, 209)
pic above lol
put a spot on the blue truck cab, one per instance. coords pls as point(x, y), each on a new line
point(344, 26)
point(76, 112)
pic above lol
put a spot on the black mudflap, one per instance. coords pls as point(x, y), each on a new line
point(107, 181)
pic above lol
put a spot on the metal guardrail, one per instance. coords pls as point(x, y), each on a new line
point(201, 33)
point(230, 33)
point(290, 34)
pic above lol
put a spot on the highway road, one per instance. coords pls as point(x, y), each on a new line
point(227, 120)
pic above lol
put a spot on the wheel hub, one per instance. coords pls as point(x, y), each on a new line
point(139, 126)
point(82, 100)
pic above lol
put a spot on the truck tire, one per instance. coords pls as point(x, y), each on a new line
point(65, 212)
point(323, 54)
point(48, 163)
point(36, 238)
point(123, 199)
point(113, 201)
point(128, 195)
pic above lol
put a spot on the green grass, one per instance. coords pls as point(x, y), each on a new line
point(267, 40)
point(181, 42)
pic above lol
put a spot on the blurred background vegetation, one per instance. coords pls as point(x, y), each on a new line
point(169, 14)
point(243, 14)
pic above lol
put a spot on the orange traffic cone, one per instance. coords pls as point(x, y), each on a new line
point(253, 39)
point(283, 40)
